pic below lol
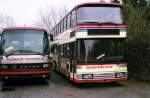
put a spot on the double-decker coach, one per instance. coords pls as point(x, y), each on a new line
point(89, 43)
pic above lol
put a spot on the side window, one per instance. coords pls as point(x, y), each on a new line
point(73, 18)
point(66, 50)
point(46, 43)
point(59, 28)
point(61, 50)
point(55, 32)
point(68, 21)
point(62, 26)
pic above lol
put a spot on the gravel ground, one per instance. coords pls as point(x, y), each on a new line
point(59, 87)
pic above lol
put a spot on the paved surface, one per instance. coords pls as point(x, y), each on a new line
point(59, 87)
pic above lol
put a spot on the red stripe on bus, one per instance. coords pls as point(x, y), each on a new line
point(99, 81)
point(102, 26)
point(24, 73)
point(95, 3)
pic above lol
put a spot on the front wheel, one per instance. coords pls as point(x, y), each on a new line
point(48, 77)
point(3, 79)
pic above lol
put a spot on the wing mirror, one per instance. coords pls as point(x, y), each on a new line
point(51, 37)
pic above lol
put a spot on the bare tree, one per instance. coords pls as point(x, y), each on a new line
point(50, 16)
point(6, 21)
point(9, 21)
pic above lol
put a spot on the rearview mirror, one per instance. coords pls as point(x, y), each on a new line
point(51, 37)
point(1, 51)
point(0, 35)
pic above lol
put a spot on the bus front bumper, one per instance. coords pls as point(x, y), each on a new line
point(99, 81)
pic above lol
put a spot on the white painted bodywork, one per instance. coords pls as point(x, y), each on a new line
point(24, 59)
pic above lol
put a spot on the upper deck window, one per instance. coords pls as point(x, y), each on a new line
point(100, 14)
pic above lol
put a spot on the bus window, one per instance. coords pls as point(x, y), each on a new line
point(100, 15)
point(68, 22)
point(73, 18)
point(62, 26)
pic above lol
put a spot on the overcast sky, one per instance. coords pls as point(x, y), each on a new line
point(26, 11)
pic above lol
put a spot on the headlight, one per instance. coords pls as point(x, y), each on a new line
point(37, 66)
point(14, 66)
point(120, 75)
point(87, 76)
point(5, 66)
point(25, 67)
point(45, 65)
point(21, 66)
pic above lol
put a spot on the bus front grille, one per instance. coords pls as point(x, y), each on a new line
point(20, 67)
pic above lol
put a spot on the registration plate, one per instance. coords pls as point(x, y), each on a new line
point(87, 76)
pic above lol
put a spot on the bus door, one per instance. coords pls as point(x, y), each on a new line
point(72, 59)
point(64, 59)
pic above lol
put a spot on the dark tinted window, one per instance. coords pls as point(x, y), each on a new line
point(33, 40)
point(73, 18)
point(68, 21)
point(94, 50)
point(100, 15)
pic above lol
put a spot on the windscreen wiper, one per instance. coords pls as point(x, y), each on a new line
point(113, 59)
point(100, 56)
point(23, 51)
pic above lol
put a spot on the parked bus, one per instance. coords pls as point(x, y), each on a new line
point(24, 53)
point(89, 43)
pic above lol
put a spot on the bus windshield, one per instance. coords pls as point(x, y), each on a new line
point(100, 15)
point(100, 50)
point(24, 41)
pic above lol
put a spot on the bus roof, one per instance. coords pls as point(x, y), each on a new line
point(89, 4)
point(96, 3)
point(25, 28)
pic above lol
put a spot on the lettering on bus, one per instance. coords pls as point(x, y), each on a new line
point(99, 67)
point(21, 59)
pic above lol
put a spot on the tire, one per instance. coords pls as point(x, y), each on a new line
point(48, 77)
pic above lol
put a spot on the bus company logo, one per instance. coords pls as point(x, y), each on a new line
point(25, 59)
point(99, 66)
